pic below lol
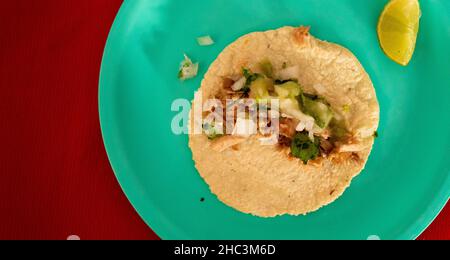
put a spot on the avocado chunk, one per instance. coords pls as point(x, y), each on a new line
point(266, 68)
point(259, 88)
point(316, 107)
point(289, 89)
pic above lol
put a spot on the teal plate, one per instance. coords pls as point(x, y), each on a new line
point(405, 184)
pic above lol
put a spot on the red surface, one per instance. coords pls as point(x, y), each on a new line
point(55, 179)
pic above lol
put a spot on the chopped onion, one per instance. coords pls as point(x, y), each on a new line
point(188, 69)
point(245, 127)
point(311, 135)
point(301, 126)
point(286, 116)
point(238, 85)
point(306, 125)
point(289, 73)
point(290, 107)
point(205, 40)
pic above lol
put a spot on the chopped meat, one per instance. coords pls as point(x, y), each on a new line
point(287, 127)
point(326, 147)
point(227, 83)
point(228, 93)
point(284, 141)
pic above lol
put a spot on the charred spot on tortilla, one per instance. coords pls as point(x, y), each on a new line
point(326, 132)
point(375, 134)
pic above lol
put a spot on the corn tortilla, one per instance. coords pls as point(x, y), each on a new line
point(263, 180)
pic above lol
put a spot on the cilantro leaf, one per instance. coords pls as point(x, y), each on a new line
point(303, 148)
point(250, 77)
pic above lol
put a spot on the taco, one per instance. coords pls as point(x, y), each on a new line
point(328, 116)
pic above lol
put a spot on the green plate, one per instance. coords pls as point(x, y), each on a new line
point(405, 184)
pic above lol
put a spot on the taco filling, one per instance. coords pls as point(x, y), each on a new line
point(308, 126)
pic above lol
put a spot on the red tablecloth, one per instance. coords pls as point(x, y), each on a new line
point(55, 179)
